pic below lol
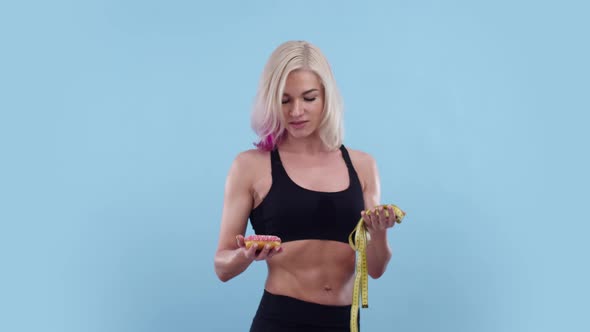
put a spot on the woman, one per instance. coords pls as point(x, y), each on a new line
point(303, 185)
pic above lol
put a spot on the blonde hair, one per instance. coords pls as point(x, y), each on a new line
point(267, 112)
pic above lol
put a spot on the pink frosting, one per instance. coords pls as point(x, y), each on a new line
point(270, 238)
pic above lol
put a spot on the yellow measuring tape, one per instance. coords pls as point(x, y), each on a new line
point(358, 241)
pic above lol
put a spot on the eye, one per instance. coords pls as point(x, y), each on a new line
point(284, 101)
point(309, 99)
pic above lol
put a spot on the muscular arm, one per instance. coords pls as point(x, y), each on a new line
point(230, 259)
point(378, 249)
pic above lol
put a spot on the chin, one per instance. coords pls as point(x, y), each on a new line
point(301, 134)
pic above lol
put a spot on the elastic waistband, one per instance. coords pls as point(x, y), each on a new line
point(289, 309)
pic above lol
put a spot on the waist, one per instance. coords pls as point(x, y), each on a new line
point(316, 271)
point(290, 311)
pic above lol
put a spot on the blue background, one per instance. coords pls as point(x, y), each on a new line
point(119, 120)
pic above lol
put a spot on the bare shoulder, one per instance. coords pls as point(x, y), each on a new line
point(249, 159)
point(247, 165)
point(365, 165)
point(362, 160)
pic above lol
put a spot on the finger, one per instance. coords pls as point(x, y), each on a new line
point(388, 217)
point(392, 214)
point(383, 217)
point(263, 253)
point(375, 217)
point(251, 252)
point(366, 218)
point(274, 252)
point(240, 241)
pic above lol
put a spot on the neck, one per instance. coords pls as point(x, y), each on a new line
point(309, 145)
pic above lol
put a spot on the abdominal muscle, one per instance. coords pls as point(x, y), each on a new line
point(316, 271)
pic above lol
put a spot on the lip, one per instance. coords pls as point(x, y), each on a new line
point(298, 124)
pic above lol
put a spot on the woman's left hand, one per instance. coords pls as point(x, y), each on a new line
point(379, 218)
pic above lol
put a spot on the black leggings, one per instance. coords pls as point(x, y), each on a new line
point(279, 313)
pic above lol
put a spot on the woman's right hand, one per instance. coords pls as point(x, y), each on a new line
point(255, 253)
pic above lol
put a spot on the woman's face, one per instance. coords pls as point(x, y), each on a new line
point(303, 103)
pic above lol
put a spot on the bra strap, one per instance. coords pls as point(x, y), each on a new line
point(346, 157)
point(353, 175)
point(275, 162)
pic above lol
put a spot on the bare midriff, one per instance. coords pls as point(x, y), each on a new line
point(316, 271)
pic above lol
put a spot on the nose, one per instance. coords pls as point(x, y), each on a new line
point(296, 108)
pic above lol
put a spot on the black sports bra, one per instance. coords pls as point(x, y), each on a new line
point(295, 213)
